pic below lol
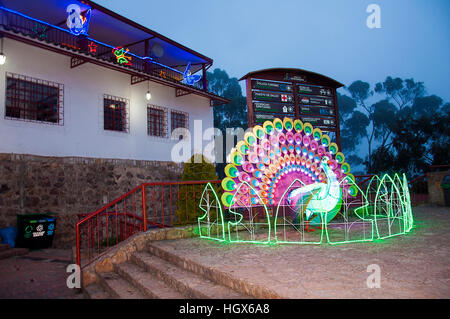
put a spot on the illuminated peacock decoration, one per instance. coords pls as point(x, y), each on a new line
point(273, 156)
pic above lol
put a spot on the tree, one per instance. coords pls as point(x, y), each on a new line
point(360, 122)
point(231, 115)
point(346, 106)
point(405, 130)
point(401, 92)
point(420, 137)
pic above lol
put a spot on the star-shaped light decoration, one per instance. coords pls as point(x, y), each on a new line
point(92, 47)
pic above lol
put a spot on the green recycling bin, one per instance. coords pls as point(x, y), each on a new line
point(35, 231)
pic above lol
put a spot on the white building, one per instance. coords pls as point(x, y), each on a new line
point(76, 127)
point(51, 107)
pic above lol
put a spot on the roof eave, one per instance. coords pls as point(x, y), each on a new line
point(338, 84)
point(145, 29)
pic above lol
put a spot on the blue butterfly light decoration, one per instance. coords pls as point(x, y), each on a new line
point(188, 78)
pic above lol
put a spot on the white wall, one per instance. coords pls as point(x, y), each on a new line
point(82, 133)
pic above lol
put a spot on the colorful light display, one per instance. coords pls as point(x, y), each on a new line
point(121, 56)
point(189, 78)
point(78, 24)
point(92, 47)
point(288, 183)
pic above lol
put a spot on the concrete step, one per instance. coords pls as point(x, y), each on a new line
point(148, 284)
point(13, 252)
point(186, 282)
point(118, 288)
point(250, 290)
point(95, 291)
point(4, 247)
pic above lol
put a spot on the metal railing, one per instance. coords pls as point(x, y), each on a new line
point(22, 25)
point(150, 205)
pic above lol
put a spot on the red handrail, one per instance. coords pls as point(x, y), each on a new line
point(417, 179)
point(129, 219)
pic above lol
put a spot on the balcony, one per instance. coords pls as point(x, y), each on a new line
point(84, 49)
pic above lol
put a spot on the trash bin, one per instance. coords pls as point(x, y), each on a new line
point(35, 231)
point(445, 185)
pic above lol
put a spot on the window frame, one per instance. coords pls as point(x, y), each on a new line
point(178, 112)
point(186, 117)
point(164, 124)
point(126, 109)
point(33, 80)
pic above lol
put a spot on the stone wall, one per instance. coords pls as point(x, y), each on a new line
point(436, 194)
point(68, 186)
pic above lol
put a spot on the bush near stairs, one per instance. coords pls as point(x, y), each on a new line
point(189, 195)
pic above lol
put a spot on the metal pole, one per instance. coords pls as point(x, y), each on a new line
point(144, 207)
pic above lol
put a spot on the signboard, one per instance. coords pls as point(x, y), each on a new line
point(261, 118)
point(314, 90)
point(273, 97)
point(319, 122)
point(316, 110)
point(274, 108)
point(271, 86)
point(315, 100)
point(294, 93)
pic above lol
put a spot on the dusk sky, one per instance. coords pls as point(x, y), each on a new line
point(323, 36)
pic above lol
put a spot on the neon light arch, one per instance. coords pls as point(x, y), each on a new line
point(215, 228)
point(238, 202)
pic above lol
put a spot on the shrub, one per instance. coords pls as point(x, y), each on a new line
point(189, 195)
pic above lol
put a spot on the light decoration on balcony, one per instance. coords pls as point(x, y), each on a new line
point(189, 78)
point(121, 56)
point(287, 176)
point(76, 22)
point(40, 31)
point(79, 24)
point(92, 47)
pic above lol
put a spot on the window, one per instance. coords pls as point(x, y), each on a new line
point(179, 119)
point(115, 114)
point(34, 100)
point(156, 121)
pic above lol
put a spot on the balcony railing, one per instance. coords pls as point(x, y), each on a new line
point(22, 25)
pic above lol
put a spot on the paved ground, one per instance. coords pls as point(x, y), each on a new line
point(39, 274)
point(416, 265)
point(413, 266)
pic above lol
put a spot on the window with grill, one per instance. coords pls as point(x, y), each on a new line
point(156, 121)
point(115, 114)
point(179, 119)
point(34, 100)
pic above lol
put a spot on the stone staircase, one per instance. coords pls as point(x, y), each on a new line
point(6, 251)
point(155, 273)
